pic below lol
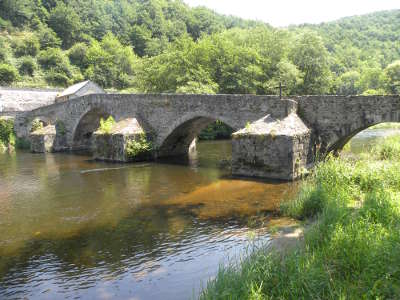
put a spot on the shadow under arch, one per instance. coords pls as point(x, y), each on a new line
point(88, 123)
point(181, 139)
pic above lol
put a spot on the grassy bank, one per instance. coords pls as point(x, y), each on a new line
point(352, 250)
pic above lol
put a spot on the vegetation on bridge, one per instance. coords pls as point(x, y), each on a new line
point(166, 46)
point(350, 251)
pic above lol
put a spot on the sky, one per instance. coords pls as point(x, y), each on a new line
point(282, 13)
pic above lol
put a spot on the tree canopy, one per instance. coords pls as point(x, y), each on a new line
point(166, 46)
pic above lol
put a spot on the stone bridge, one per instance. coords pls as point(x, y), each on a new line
point(274, 138)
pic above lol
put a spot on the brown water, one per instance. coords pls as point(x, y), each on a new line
point(74, 228)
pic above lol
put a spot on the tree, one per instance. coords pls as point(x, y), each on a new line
point(348, 83)
point(110, 63)
point(66, 23)
point(311, 57)
point(392, 73)
point(28, 45)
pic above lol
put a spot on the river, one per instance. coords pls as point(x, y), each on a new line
point(71, 227)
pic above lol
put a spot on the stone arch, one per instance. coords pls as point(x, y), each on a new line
point(87, 124)
point(182, 133)
point(341, 141)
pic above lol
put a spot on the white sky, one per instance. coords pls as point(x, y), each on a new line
point(287, 12)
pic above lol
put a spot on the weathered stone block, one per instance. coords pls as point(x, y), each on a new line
point(269, 148)
point(43, 139)
point(114, 145)
point(51, 138)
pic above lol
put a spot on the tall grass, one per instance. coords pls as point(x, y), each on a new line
point(352, 250)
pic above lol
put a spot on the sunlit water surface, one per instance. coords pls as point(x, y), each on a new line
point(72, 228)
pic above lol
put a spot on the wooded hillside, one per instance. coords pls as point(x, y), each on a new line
point(166, 46)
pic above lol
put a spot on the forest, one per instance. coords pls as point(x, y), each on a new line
point(167, 46)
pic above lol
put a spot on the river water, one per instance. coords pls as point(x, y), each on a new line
point(73, 228)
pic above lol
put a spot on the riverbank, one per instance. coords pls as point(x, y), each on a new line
point(351, 249)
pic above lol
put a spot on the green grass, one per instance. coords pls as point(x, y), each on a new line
point(352, 250)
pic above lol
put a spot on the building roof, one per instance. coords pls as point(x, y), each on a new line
point(73, 89)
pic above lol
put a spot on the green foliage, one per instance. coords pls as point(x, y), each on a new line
point(8, 74)
point(348, 83)
point(216, 131)
point(48, 38)
point(166, 46)
point(52, 58)
point(356, 211)
point(27, 46)
point(36, 125)
point(7, 136)
point(27, 65)
point(110, 64)
point(58, 69)
point(106, 125)
point(77, 54)
point(138, 147)
point(311, 57)
point(56, 78)
point(388, 149)
point(65, 21)
point(392, 73)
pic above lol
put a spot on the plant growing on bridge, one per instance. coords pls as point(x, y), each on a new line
point(60, 127)
point(139, 146)
point(36, 125)
point(106, 125)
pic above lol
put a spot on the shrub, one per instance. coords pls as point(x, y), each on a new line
point(51, 58)
point(4, 50)
point(7, 136)
point(8, 74)
point(141, 146)
point(77, 54)
point(57, 78)
point(48, 38)
point(28, 45)
point(36, 125)
point(106, 125)
point(27, 66)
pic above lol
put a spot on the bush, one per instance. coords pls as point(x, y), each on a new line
point(106, 125)
point(8, 74)
point(4, 50)
point(77, 54)
point(56, 78)
point(48, 38)
point(28, 45)
point(36, 125)
point(7, 137)
point(27, 66)
point(52, 58)
point(139, 147)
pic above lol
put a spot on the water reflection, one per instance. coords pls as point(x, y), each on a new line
point(71, 227)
